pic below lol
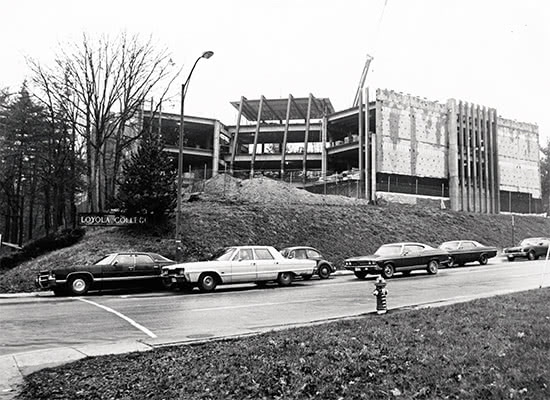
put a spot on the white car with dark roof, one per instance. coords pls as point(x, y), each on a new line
point(238, 264)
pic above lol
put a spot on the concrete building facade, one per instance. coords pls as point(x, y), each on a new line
point(394, 145)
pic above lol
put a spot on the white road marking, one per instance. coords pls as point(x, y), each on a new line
point(124, 317)
point(254, 305)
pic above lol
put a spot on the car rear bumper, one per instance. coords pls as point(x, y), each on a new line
point(174, 280)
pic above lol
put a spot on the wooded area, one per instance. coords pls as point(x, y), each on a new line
point(65, 134)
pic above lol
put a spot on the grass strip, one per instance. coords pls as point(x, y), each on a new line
point(494, 348)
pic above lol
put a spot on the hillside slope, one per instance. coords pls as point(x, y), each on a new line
point(338, 231)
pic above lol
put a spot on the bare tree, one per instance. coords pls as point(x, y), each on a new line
point(101, 85)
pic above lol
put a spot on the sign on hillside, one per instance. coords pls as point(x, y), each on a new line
point(105, 219)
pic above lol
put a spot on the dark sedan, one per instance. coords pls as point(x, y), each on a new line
point(323, 267)
point(398, 257)
point(111, 271)
point(466, 251)
point(530, 248)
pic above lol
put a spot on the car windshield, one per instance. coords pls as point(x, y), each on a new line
point(158, 257)
point(389, 250)
point(449, 245)
point(531, 241)
point(106, 260)
point(223, 254)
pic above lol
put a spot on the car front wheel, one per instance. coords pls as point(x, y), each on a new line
point(531, 256)
point(388, 271)
point(284, 279)
point(483, 260)
point(433, 266)
point(207, 283)
point(79, 285)
point(324, 272)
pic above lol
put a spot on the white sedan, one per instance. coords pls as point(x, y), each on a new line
point(260, 264)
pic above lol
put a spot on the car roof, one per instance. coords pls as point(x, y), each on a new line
point(405, 243)
point(299, 247)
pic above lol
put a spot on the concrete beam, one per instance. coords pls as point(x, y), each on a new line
point(452, 157)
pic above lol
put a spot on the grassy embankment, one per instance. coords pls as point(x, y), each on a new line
point(338, 231)
point(495, 348)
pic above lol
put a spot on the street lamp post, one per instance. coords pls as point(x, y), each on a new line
point(184, 87)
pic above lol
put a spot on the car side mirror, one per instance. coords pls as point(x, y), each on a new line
point(541, 244)
point(115, 263)
point(405, 253)
point(290, 256)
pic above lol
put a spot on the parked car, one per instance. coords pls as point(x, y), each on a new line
point(398, 257)
point(112, 270)
point(465, 251)
point(238, 264)
point(530, 248)
point(323, 268)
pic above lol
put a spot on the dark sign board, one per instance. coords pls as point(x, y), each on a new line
point(104, 219)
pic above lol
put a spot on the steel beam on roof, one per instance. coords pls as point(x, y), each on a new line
point(266, 102)
point(258, 120)
point(236, 135)
point(298, 109)
point(285, 135)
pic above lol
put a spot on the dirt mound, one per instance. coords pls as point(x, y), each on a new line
point(267, 191)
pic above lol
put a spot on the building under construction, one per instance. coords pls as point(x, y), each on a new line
point(388, 145)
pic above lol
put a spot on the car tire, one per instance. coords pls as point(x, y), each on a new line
point(452, 262)
point(531, 256)
point(284, 278)
point(511, 258)
point(483, 259)
point(324, 272)
point(433, 267)
point(207, 282)
point(306, 277)
point(79, 285)
point(388, 271)
point(360, 274)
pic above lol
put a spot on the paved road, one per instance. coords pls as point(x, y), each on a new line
point(41, 322)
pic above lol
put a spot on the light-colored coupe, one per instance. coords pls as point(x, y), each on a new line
point(260, 264)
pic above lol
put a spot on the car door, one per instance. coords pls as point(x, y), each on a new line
point(119, 269)
point(267, 267)
point(468, 252)
point(243, 266)
point(314, 255)
point(145, 268)
point(412, 255)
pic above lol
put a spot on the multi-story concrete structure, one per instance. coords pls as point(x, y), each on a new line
point(402, 148)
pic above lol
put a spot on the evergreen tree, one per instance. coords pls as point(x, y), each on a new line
point(149, 181)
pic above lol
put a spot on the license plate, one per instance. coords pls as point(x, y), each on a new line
point(358, 269)
point(174, 280)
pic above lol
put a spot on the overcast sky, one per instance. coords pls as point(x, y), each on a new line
point(489, 52)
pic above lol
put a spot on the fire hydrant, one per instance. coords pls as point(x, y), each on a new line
point(380, 292)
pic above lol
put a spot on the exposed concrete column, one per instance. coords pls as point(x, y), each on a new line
point(256, 134)
point(235, 144)
point(481, 192)
point(368, 166)
point(216, 148)
point(468, 148)
point(473, 145)
point(452, 158)
point(487, 186)
point(496, 162)
point(306, 138)
point(324, 138)
point(361, 133)
point(285, 135)
point(461, 169)
point(373, 167)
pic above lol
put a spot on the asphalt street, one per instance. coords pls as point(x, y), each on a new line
point(44, 321)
